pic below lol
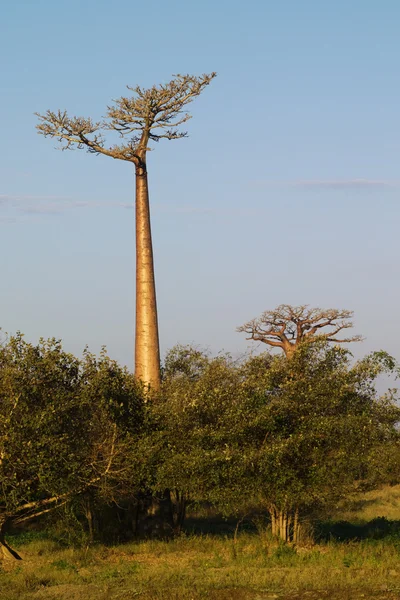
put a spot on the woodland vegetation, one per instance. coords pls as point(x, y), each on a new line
point(282, 436)
point(202, 476)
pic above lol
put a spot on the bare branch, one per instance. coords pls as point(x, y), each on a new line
point(161, 108)
point(34, 515)
point(81, 133)
point(293, 324)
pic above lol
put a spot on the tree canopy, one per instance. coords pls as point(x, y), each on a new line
point(148, 115)
point(64, 425)
point(286, 327)
point(288, 437)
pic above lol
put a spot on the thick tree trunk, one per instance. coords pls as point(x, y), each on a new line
point(285, 524)
point(147, 352)
point(7, 552)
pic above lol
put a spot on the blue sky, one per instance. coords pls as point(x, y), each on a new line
point(286, 191)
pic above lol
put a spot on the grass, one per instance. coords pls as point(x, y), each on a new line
point(384, 502)
point(196, 567)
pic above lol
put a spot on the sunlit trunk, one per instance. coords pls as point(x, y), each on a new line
point(7, 552)
point(296, 527)
point(285, 524)
point(147, 352)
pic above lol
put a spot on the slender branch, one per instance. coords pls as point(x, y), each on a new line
point(160, 107)
point(34, 515)
point(293, 324)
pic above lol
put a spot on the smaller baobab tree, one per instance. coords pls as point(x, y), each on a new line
point(148, 115)
point(287, 326)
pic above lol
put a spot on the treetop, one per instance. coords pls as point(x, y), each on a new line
point(147, 115)
point(287, 326)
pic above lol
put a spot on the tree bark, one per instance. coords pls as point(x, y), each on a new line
point(6, 550)
point(90, 516)
point(272, 513)
point(296, 526)
point(147, 352)
point(285, 524)
point(284, 531)
point(178, 510)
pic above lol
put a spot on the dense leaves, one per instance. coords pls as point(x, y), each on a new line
point(286, 435)
point(291, 434)
point(64, 425)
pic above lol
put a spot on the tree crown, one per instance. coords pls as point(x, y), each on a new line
point(148, 115)
point(287, 326)
point(299, 433)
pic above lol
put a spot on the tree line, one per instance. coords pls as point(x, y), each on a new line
point(288, 433)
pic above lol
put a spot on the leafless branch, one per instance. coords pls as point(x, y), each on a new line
point(161, 108)
point(287, 326)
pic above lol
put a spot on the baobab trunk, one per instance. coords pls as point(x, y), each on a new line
point(148, 116)
point(147, 350)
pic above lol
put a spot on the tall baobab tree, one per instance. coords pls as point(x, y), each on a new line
point(148, 115)
point(288, 326)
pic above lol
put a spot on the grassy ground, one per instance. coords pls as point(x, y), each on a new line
point(195, 567)
point(384, 502)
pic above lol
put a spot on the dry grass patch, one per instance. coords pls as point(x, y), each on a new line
point(197, 568)
point(213, 567)
point(384, 502)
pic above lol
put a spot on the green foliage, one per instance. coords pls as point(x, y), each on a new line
point(64, 425)
point(321, 419)
point(298, 433)
point(286, 435)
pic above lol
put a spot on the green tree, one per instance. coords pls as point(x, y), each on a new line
point(318, 422)
point(290, 436)
point(149, 115)
point(190, 417)
point(65, 428)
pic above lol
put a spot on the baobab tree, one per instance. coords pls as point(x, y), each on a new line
point(148, 115)
point(288, 326)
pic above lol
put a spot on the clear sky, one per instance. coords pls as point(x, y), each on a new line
point(286, 191)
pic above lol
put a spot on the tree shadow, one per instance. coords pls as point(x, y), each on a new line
point(218, 525)
point(378, 529)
